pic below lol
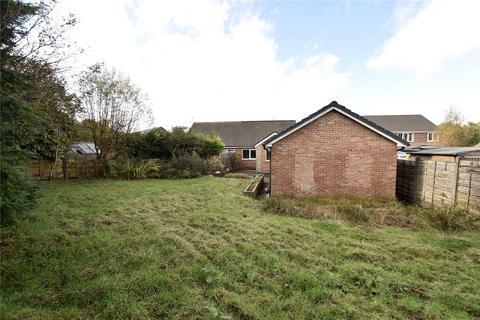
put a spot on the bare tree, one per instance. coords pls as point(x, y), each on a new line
point(112, 107)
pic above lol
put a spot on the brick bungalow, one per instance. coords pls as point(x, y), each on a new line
point(334, 151)
point(243, 137)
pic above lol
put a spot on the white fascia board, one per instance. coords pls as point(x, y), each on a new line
point(269, 145)
point(265, 139)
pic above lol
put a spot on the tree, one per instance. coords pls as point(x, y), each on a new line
point(55, 107)
point(17, 191)
point(27, 34)
point(112, 108)
point(454, 133)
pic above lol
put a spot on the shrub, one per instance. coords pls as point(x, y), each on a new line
point(231, 161)
point(125, 168)
point(186, 167)
point(17, 192)
point(156, 169)
point(213, 164)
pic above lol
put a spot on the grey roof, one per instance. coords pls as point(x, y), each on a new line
point(352, 114)
point(82, 147)
point(448, 151)
point(405, 122)
point(242, 133)
point(159, 129)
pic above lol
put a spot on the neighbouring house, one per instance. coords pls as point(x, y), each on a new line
point(449, 154)
point(334, 151)
point(156, 129)
point(414, 128)
point(244, 137)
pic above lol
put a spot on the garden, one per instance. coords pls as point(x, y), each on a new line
point(199, 249)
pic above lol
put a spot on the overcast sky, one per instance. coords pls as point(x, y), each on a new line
point(206, 60)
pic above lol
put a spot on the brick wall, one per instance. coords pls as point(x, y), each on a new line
point(246, 164)
point(421, 138)
point(334, 155)
point(262, 164)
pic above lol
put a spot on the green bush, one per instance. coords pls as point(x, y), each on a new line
point(156, 168)
point(213, 164)
point(231, 161)
point(17, 192)
point(125, 168)
point(186, 167)
point(160, 144)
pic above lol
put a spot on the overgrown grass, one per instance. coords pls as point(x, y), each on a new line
point(195, 249)
point(374, 212)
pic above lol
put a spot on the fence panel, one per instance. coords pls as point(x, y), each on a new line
point(433, 183)
point(66, 169)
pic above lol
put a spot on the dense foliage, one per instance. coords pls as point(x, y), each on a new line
point(161, 144)
point(17, 117)
point(185, 154)
point(37, 112)
point(454, 132)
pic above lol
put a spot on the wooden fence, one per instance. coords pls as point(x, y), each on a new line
point(67, 169)
point(433, 183)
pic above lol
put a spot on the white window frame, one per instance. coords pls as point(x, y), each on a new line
point(406, 135)
point(266, 154)
point(249, 154)
point(230, 150)
point(428, 137)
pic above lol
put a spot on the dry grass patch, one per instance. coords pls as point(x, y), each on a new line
point(375, 212)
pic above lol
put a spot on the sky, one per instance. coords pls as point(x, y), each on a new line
point(205, 60)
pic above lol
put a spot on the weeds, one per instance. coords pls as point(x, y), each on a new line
point(374, 212)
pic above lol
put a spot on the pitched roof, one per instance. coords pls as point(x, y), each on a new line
point(242, 133)
point(334, 106)
point(405, 122)
point(82, 147)
point(159, 129)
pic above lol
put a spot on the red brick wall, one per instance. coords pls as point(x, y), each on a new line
point(262, 164)
point(246, 164)
point(421, 138)
point(334, 155)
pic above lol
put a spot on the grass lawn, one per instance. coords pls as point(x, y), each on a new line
point(187, 249)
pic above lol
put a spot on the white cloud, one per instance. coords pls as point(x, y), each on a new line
point(201, 60)
point(442, 30)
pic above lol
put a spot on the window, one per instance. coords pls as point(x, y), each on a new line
point(268, 155)
point(249, 154)
point(430, 137)
point(227, 151)
point(407, 136)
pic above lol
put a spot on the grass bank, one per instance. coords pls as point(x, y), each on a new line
point(199, 249)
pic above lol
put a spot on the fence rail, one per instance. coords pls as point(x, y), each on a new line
point(433, 183)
